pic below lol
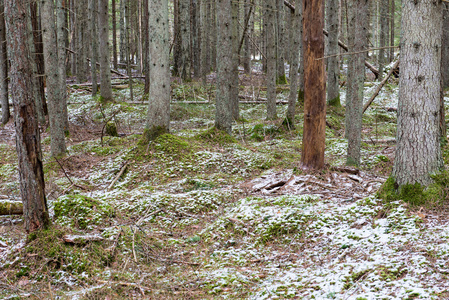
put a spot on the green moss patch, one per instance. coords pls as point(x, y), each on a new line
point(81, 211)
point(216, 136)
point(260, 132)
point(417, 194)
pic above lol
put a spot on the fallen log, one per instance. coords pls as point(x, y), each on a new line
point(380, 86)
point(82, 239)
point(382, 141)
point(11, 208)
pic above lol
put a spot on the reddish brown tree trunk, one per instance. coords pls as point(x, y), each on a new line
point(32, 185)
point(314, 86)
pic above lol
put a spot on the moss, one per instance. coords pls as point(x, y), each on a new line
point(216, 136)
point(288, 123)
point(260, 131)
point(334, 102)
point(281, 79)
point(80, 211)
point(150, 134)
point(49, 246)
point(351, 162)
point(111, 129)
point(351, 279)
point(417, 194)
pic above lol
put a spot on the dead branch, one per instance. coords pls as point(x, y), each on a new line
point(67, 176)
point(82, 239)
point(380, 86)
point(382, 141)
point(122, 170)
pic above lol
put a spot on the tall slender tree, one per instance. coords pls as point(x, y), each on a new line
point(295, 17)
point(93, 9)
point(357, 40)
point(54, 92)
point(158, 116)
point(105, 68)
point(184, 25)
point(223, 114)
point(62, 56)
point(235, 60)
point(3, 67)
point(270, 10)
point(333, 68)
point(314, 86)
point(418, 152)
point(31, 175)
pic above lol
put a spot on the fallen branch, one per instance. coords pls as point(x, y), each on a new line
point(122, 170)
point(380, 86)
point(11, 208)
point(382, 141)
point(82, 239)
point(345, 170)
point(67, 176)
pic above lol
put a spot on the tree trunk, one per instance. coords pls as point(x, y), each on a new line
point(196, 38)
point(93, 9)
point(147, 46)
point(295, 18)
point(223, 113)
point(247, 50)
point(158, 116)
point(418, 153)
point(123, 55)
point(205, 67)
point(176, 38)
point(445, 50)
point(54, 93)
point(314, 86)
point(184, 24)
point(31, 175)
point(62, 56)
point(235, 60)
point(38, 66)
point(333, 68)
point(3, 67)
point(270, 9)
point(383, 20)
point(128, 46)
point(105, 68)
point(214, 35)
point(81, 66)
point(280, 45)
point(391, 53)
point(114, 35)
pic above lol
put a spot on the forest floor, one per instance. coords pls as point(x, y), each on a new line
point(200, 215)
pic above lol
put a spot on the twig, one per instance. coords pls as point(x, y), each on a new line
point(67, 176)
point(122, 170)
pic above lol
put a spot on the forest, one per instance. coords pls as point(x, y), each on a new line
point(244, 149)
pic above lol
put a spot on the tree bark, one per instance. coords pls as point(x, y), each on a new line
point(445, 50)
point(93, 8)
point(295, 18)
point(235, 60)
point(3, 67)
point(418, 153)
point(357, 39)
point(205, 67)
point(123, 55)
point(383, 20)
point(31, 175)
point(280, 45)
point(314, 86)
point(270, 9)
point(62, 56)
point(114, 35)
point(184, 24)
point(158, 116)
point(147, 46)
point(81, 66)
point(333, 68)
point(52, 70)
point(392, 25)
point(38, 66)
point(247, 49)
point(223, 113)
point(105, 68)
